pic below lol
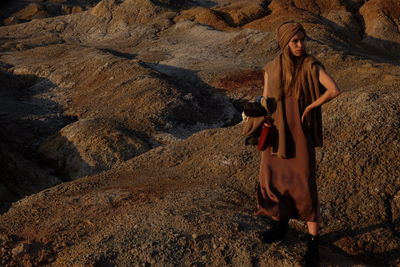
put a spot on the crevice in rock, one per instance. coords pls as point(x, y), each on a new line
point(388, 202)
point(30, 115)
point(355, 10)
point(118, 53)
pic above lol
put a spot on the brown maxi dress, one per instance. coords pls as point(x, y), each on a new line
point(287, 187)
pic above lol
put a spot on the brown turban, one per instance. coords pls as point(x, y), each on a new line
point(286, 32)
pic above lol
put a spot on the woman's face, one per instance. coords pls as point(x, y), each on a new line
point(296, 44)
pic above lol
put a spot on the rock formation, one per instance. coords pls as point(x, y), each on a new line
point(120, 142)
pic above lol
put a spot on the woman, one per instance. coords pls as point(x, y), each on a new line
point(298, 85)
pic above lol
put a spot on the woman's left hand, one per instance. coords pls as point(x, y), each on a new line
point(305, 113)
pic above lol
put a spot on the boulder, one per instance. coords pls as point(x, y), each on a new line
point(382, 23)
point(128, 12)
point(32, 11)
point(240, 13)
point(282, 11)
point(89, 146)
point(205, 16)
point(69, 9)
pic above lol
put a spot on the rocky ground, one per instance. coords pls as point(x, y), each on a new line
point(120, 142)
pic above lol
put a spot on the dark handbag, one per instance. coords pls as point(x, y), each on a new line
point(254, 109)
point(266, 137)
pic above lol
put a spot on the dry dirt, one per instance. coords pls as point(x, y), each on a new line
point(120, 142)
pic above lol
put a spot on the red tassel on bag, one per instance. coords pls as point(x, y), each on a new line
point(266, 136)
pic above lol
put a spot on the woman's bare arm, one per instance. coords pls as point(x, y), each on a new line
point(332, 91)
point(265, 92)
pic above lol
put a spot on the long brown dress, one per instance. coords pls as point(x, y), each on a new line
point(287, 187)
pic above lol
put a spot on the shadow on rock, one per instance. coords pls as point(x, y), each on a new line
point(118, 53)
point(347, 242)
point(21, 11)
point(210, 107)
point(27, 117)
point(363, 44)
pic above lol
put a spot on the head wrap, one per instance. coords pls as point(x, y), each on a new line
point(286, 31)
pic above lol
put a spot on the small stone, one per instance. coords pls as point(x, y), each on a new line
point(3, 237)
point(20, 47)
point(59, 27)
point(194, 236)
point(76, 9)
point(19, 249)
point(359, 170)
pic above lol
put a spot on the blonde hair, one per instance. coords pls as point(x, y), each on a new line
point(291, 68)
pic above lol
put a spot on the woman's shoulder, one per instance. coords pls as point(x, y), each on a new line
point(271, 63)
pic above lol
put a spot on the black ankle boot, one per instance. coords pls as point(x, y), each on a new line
point(311, 257)
point(277, 232)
